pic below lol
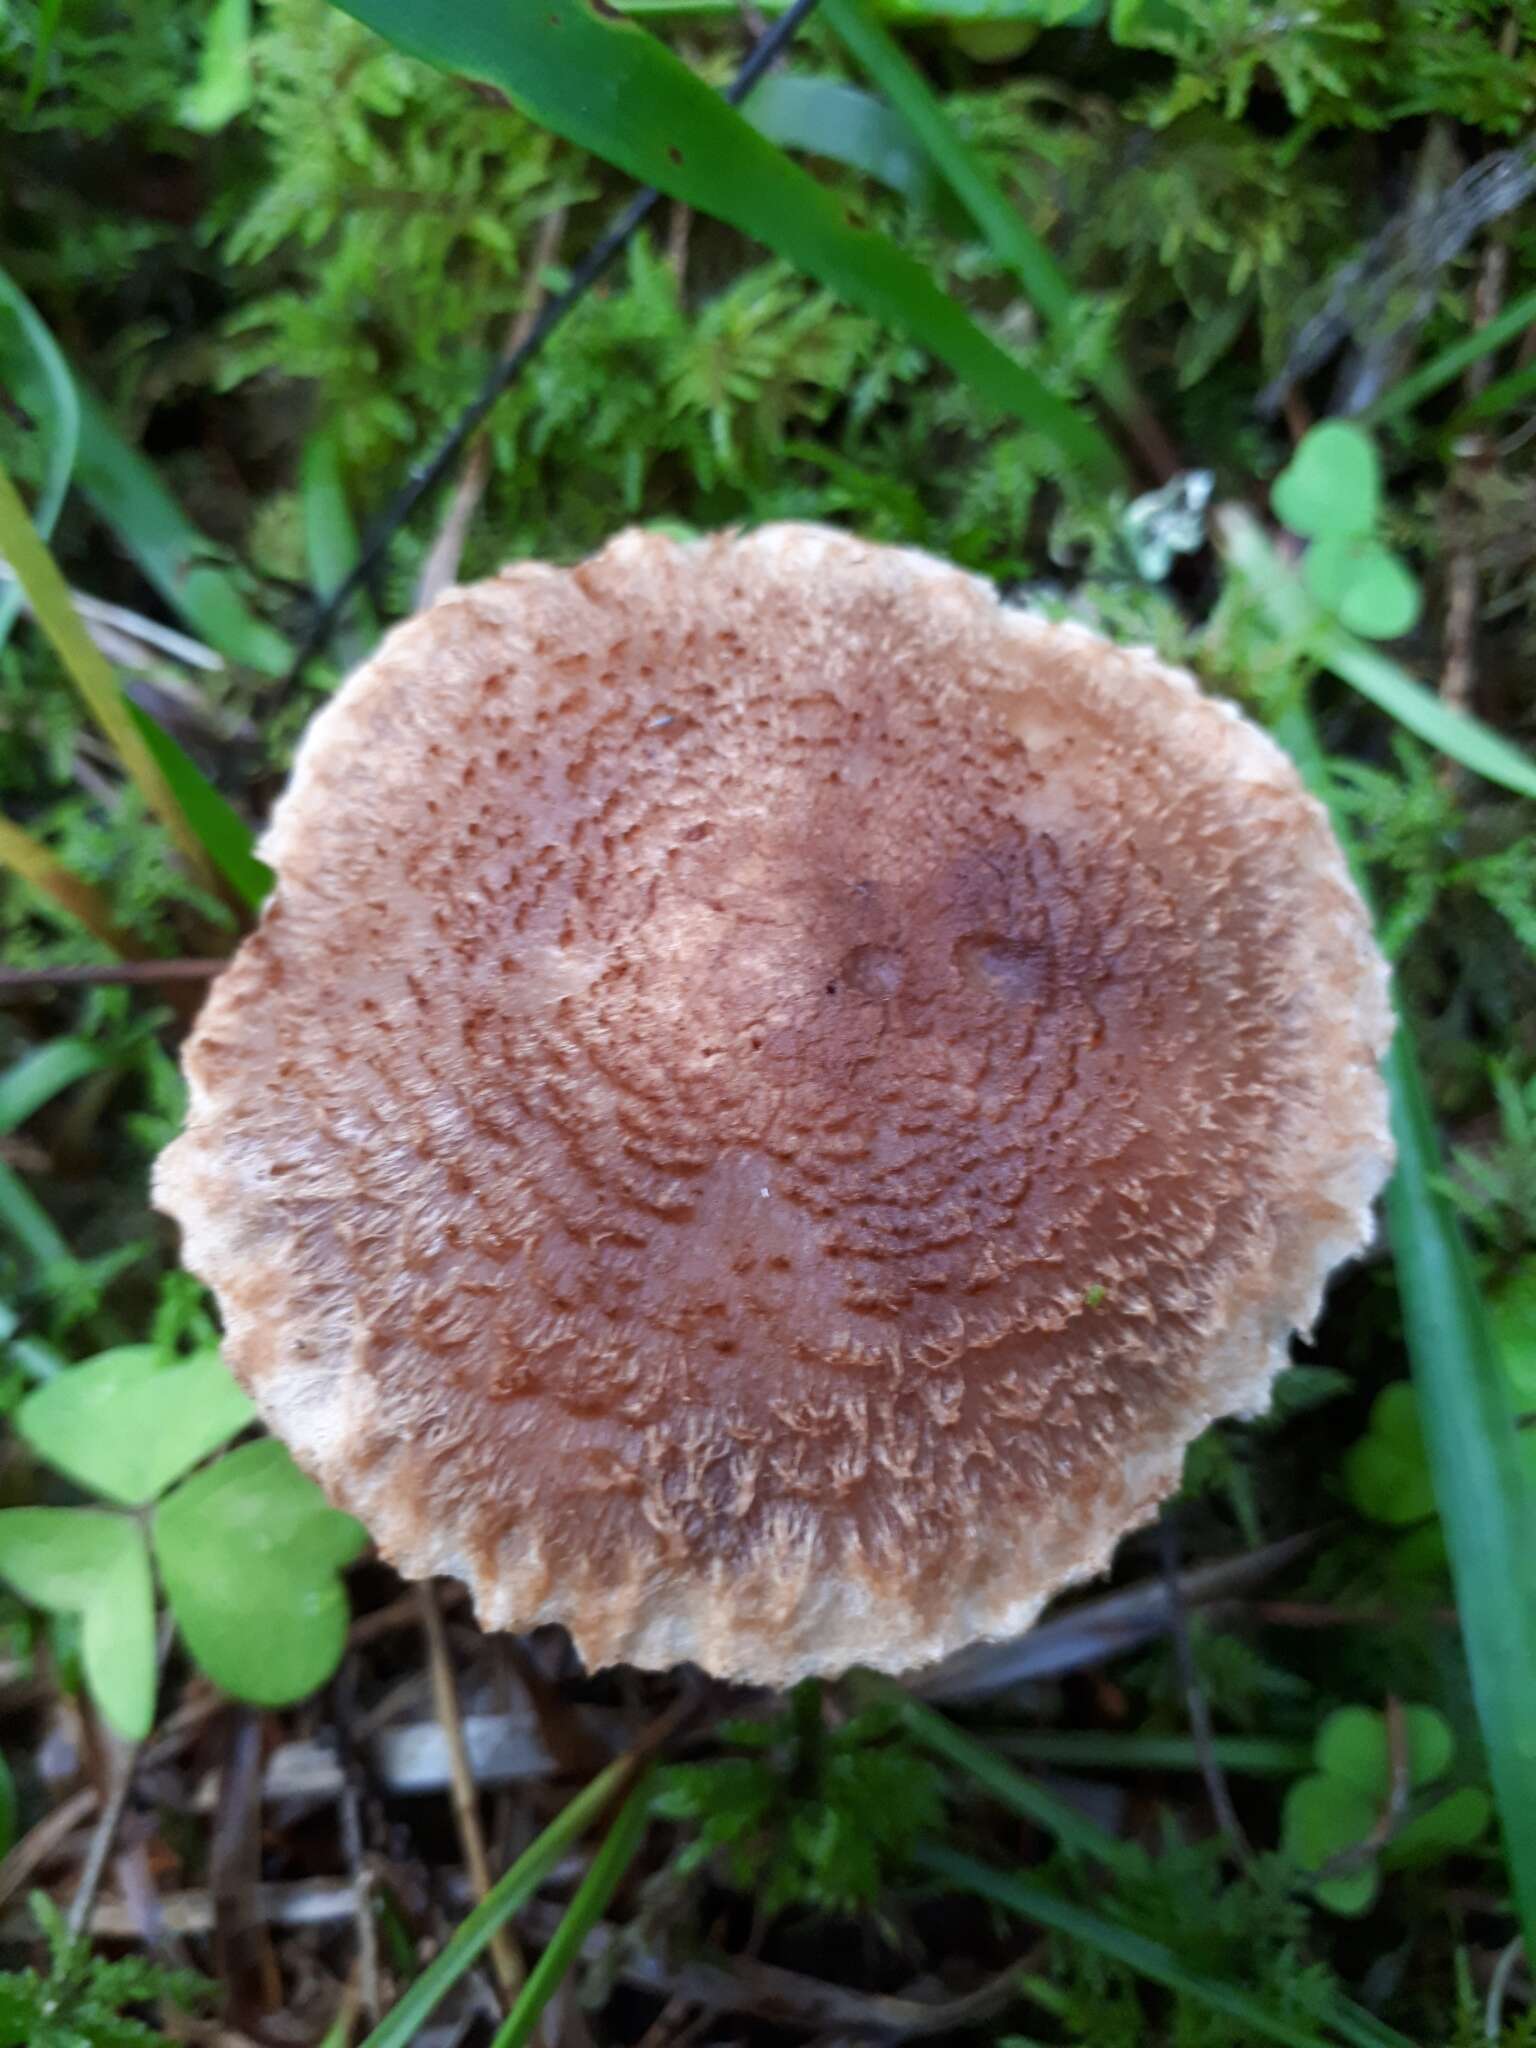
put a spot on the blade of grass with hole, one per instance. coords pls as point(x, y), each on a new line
point(89, 670)
point(1151, 1959)
point(611, 87)
point(183, 565)
point(510, 1892)
point(581, 1916)
point(1278, 590)
point(38, 383)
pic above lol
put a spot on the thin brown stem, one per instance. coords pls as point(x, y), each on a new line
point(505, 1958)
point(91, 975)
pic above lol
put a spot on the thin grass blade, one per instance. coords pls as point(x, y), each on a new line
point(1070, 1829)
point(1444, 368)
point(581, 1916)
point(225, 834)
point(1151, 1959)
point(1278, 590)
point(182, 564)
point(510, 1892)
point(606, 84)
point(1042, 279)
point(38, 382)
point(43, 1073)
point(89, 670)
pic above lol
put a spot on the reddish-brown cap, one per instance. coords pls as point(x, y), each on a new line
point(774, 1096)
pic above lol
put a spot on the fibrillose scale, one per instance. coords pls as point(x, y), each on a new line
point(774, 1096)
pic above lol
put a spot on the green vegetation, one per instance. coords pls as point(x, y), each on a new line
point(1206, 323)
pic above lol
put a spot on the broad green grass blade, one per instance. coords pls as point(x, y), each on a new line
point(91, 673)
point(1440, 370)
point(828, 117)
point(609, 86)
point(1148, 1958)
point(1278, 589)
point(1471, 1431)
point(181, 563)
point(510, 1892)
point(38, 383)
point(581, 1916)
point(32, 862)
point(218, 825)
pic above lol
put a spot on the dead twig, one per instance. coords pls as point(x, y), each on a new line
point(505, 1959)
point(42, 1842)
point(122, 1761)
point(1195, 1703)
point(91, 975)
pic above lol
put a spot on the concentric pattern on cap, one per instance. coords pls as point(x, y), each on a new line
point(773, 1097)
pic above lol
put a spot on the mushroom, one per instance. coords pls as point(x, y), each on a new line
point(773, 1097)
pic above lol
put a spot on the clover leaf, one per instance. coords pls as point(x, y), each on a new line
point(249, 1554)
point(1340, 1813)
point(1365, 585)
point(1330, 493)
point(1331, 488)
point(125, 1424)
point(1387, 1471)
point(80, 1561)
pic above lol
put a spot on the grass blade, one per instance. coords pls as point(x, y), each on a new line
point(1072, 1749)
point(581, 1916)
point(1070, 1829)
point(1471, 1434)
point(1148, 1958)
point(39, 383)
point(1471, 1431)
point(181, 563)
point(510, 1892)
point(330, 538)
point(1045, 283)
point(48, 595)
point(218, 825)
point(1278, 590)
point(1440, 370)
point(43, 1073)
point(607, 85)
point(1042, 279)
point(32, 862)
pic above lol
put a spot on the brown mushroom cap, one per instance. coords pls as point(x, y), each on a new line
point(774, 1096)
